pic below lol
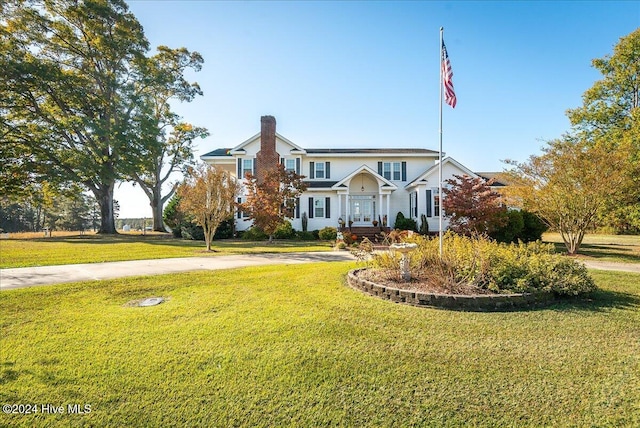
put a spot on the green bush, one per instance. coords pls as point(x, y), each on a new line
point(533, 227)
point(512, 229)
point(192, 231)
point(520, 225)
point(328, 233)
point(305, 236)
point(173, 217)
point(497, 267)
point(254, 234)
point(285, 231)
point(403, 223)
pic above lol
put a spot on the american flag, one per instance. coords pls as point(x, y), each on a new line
point(447, 75)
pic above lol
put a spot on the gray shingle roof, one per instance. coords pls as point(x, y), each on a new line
point(319, 184)
point(492, 175)
point(368, 151)
point(219, 152)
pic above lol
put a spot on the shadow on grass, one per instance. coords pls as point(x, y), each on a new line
point(8, 374)
point(236, 244)
point(600, 300)
point(117, 239)
point(620, 252)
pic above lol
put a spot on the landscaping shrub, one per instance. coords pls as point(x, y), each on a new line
point(173, 218)
point(285, 231)
point(404, 223)
point(254, 234)
point(519, 225)
point(225, 229)
point(305, 236)
point(328, 233)
point(512, 226)
point(191, 231)
point(497, 267)
point(533, 227)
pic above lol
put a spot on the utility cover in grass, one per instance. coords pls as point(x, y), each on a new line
point(150, 301)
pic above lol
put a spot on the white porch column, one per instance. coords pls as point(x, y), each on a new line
point(346, 198)
point(388, 210)
point(339, 205)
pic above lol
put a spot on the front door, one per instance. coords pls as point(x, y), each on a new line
point(362, 210)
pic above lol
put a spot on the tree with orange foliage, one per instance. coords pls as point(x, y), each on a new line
point(208, 194)
point(272, 198)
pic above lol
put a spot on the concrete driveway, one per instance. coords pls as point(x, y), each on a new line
point(46, 275)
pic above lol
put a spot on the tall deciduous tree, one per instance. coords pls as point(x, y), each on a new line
point(610, 117)
point(166, 144)
point(208, 195)
point(472, 206)
point(567, 186)
point(68, 75)
point(272, 198)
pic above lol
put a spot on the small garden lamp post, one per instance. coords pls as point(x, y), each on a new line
point(404, 249)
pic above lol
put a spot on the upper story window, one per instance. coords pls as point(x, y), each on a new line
point(319, 170)
point(244, 166)
point(392, 170)
point(290, 164)
point(396, 171)
point(247, 167)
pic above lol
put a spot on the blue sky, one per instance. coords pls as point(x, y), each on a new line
point(366, 73)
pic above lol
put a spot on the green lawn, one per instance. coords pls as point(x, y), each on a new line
point(615, 248)
point(296, 347)
point(99, 248)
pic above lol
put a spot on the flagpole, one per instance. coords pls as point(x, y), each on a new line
point(440, 152)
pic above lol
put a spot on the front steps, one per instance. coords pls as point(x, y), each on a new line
point(374, 234)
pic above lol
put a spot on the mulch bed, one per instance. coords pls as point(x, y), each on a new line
point(421, 283)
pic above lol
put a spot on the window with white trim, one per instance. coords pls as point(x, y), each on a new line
point(319, 172)
point(239, 212)
point(436, 203)
point(318, 207)
point(392, 170)
point(290, 164)
point(247, 167)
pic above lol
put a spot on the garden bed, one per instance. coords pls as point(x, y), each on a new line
point(417, 294)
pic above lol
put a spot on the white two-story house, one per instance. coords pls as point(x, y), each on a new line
point(353, 185)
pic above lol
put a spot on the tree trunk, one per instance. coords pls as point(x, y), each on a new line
point(156, 210)
point(572, 240)
point(104, 196)
point(209, 232)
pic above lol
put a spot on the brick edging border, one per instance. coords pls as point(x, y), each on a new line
point(479, 302)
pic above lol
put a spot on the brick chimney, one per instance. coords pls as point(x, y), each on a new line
point(267, 158)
